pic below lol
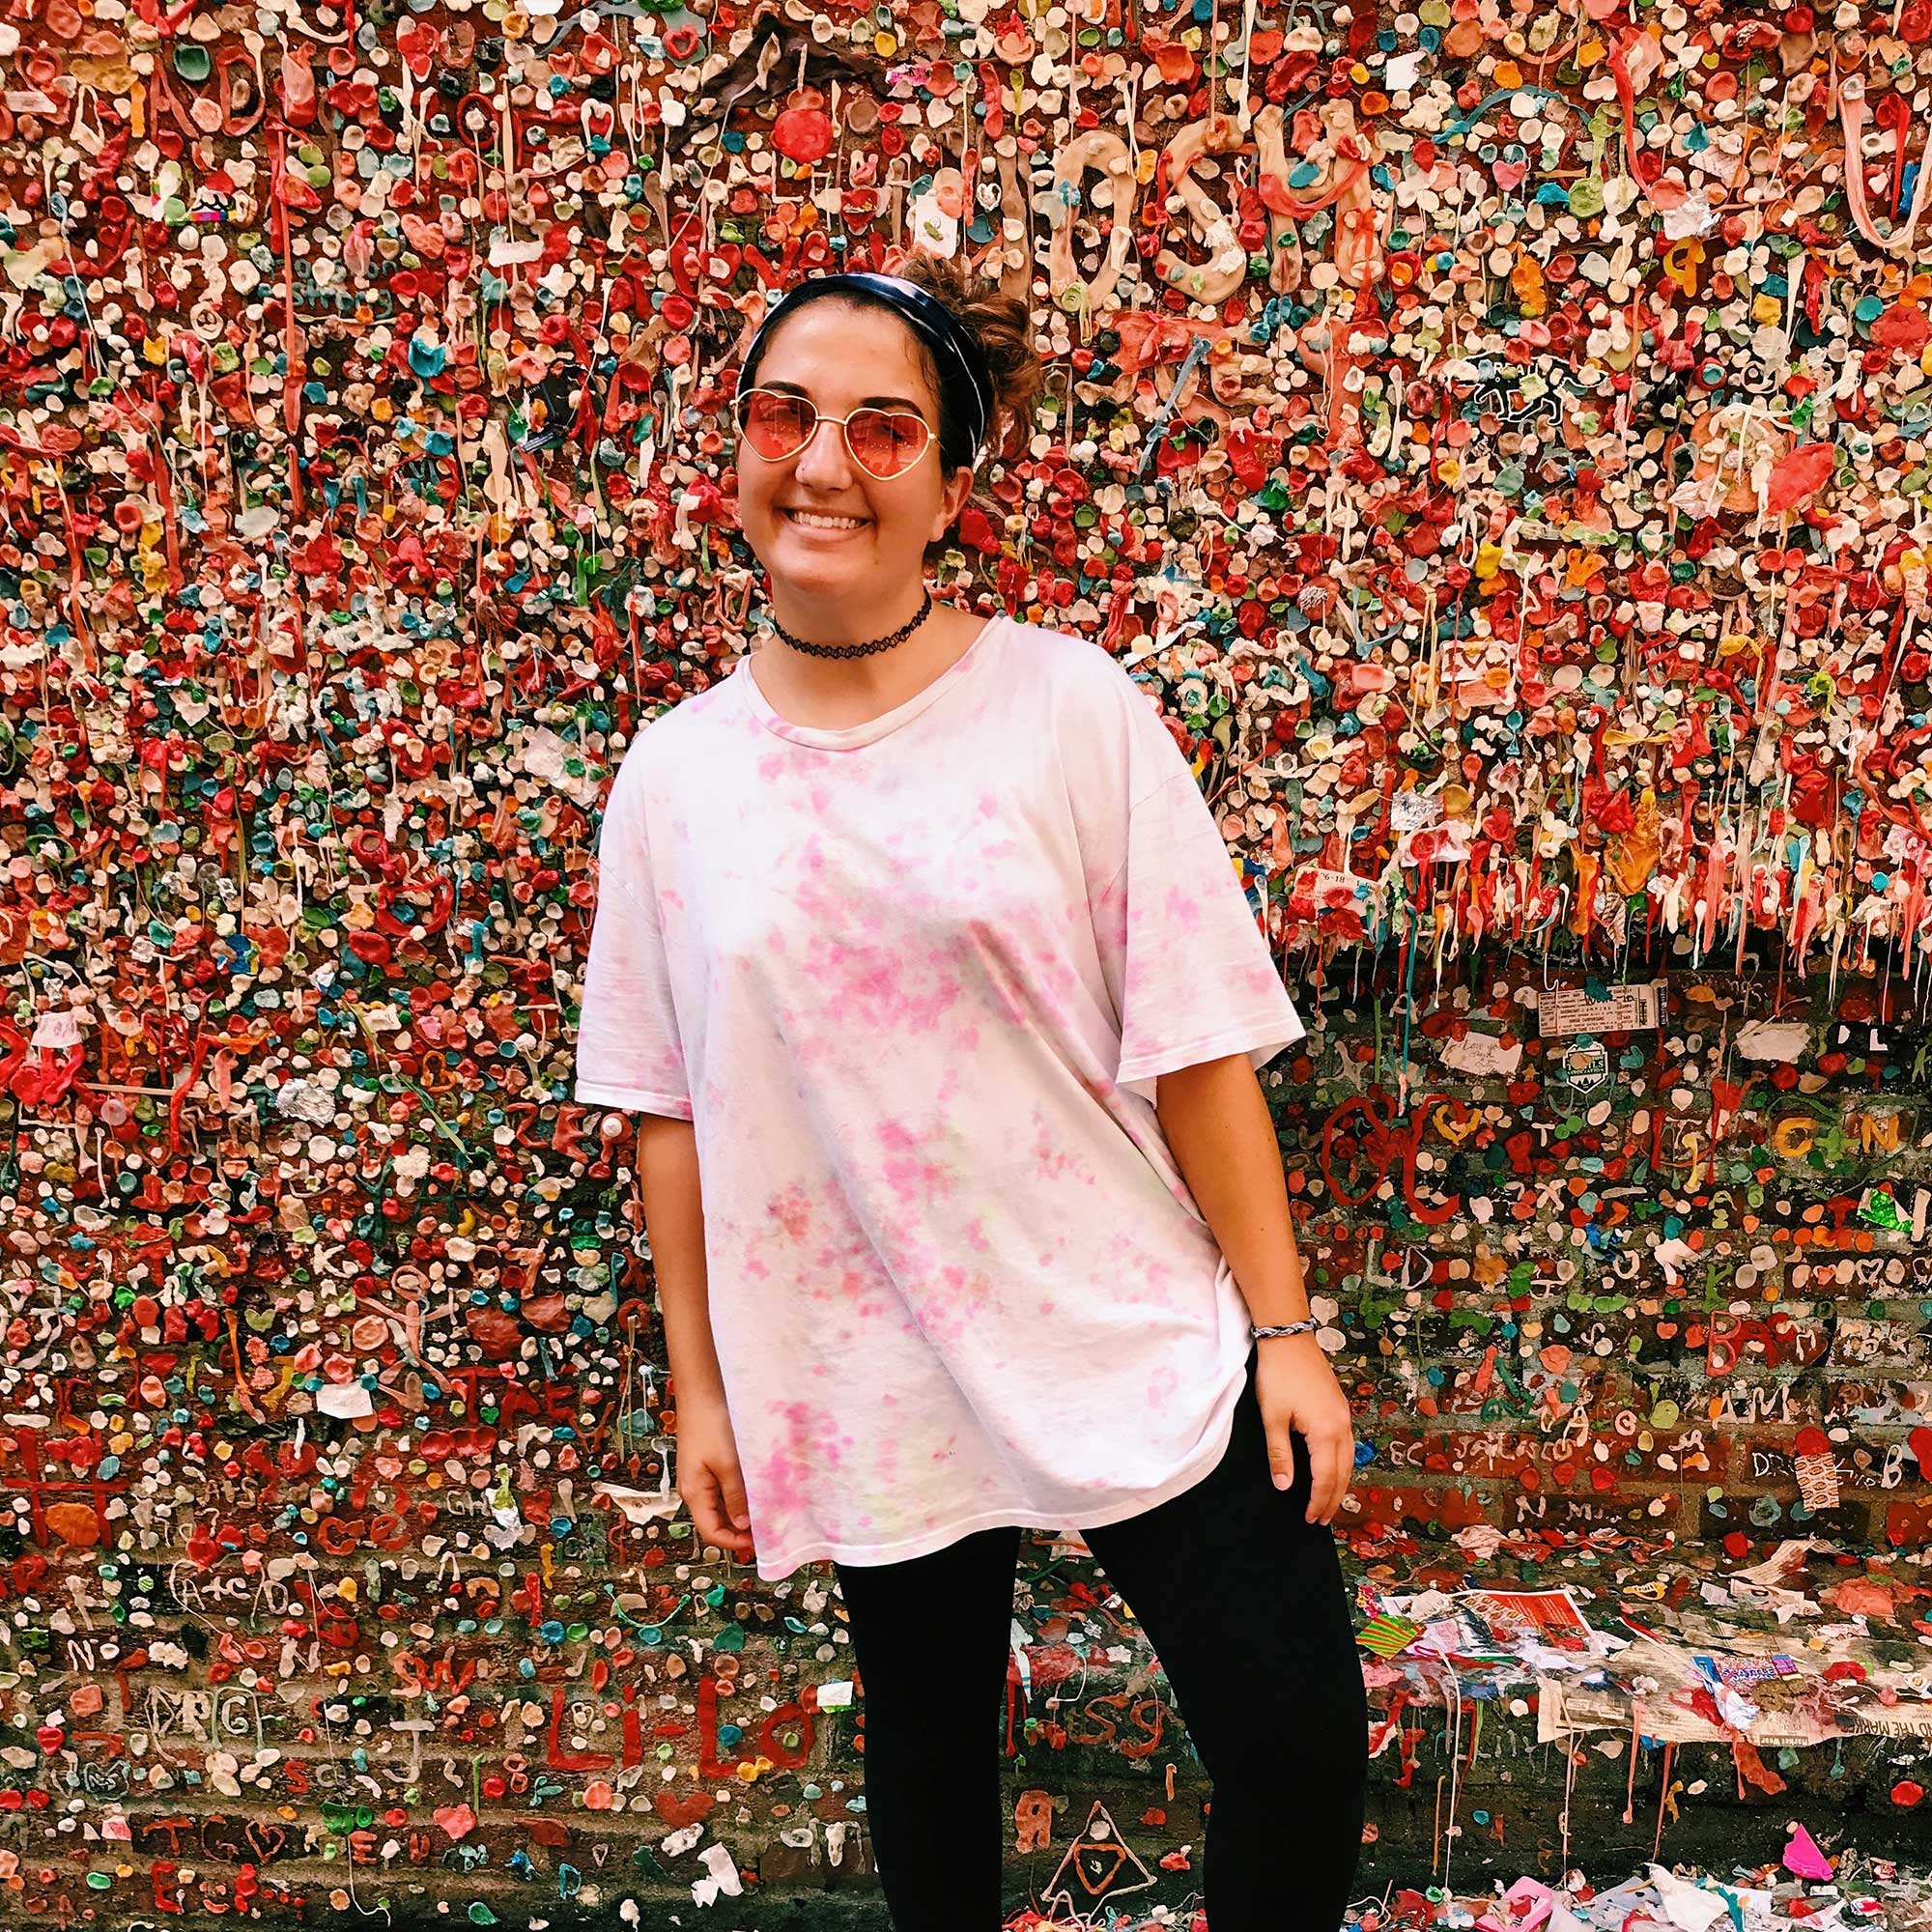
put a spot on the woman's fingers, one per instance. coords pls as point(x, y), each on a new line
point(1281, 1451)
point(1330, 1455)
point(717, 1505)
point(1299, 1393)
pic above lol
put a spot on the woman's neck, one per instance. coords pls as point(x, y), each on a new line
point(844, 620)
point(835, 692)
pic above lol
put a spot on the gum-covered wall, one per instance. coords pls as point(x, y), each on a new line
point(1495, 434)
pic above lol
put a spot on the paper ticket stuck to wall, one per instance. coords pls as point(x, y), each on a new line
point(1564, 1011)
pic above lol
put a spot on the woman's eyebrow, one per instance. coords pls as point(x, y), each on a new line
point(870, 403)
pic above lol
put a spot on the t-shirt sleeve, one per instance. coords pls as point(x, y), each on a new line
point(1190, 972)
point(629, 1053)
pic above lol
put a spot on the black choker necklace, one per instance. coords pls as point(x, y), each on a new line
point(865, 649)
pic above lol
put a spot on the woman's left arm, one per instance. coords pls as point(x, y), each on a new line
point(1224, 1142)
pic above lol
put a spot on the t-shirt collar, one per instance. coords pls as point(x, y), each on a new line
point(850, 737)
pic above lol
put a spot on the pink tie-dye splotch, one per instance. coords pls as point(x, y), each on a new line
point(913, 982)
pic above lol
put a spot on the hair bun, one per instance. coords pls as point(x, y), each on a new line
point(1002, 325)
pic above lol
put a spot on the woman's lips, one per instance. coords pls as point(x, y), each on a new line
point(821, 524)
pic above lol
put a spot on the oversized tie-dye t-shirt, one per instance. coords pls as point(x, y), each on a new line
point(913, 981)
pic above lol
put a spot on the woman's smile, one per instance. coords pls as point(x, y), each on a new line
point(823, 523)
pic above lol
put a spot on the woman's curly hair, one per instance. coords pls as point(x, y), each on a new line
point(1002, 327)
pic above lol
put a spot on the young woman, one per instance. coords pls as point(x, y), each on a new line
point(919, 945)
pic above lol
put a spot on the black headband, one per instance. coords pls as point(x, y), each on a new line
point(962, 366)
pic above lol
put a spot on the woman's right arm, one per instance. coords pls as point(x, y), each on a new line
point(675, 1220)
point(709, 1478)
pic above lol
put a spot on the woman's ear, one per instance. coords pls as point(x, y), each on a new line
point(952, 495)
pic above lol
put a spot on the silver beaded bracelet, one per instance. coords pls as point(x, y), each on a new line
point(1292, 1329)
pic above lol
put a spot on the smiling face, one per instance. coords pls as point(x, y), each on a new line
point(834, 541)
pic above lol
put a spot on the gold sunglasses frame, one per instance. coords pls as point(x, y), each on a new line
point(820, 419)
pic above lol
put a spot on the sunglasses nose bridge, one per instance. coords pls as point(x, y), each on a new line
point(837, 447)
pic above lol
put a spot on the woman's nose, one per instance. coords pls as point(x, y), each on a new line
point(823, 462)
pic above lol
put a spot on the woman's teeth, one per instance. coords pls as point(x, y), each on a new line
point(811, 522)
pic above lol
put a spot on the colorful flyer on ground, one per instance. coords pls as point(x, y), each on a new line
point(1548, 1616)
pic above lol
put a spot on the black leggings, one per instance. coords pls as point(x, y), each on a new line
point(1243, 1601)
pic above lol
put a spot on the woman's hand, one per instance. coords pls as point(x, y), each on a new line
point(709, 1478)
point(1295, 1388)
